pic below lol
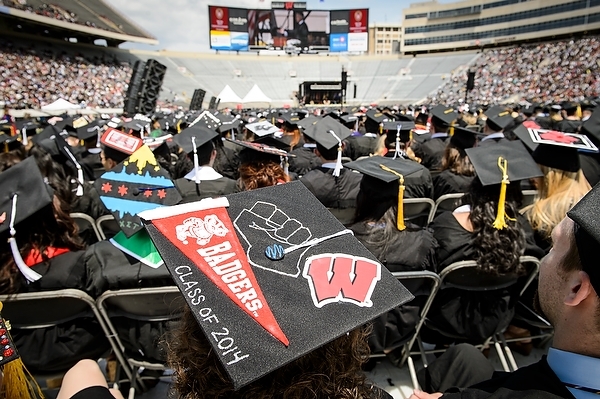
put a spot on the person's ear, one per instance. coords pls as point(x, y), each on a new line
point(580, 288)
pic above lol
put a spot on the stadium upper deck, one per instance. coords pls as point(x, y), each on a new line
point(431, 26)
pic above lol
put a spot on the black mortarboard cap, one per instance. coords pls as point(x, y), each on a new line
point(559, 150)
point(463, 138)
point(391, 129)
point(26, 181)
point(442, 115)
point(135, 125)
point(262, 128)
point(256, 150)
point(291, 118)
point(586, 216)
point(371, 167)
point(309, 120)
point(119, 145)
point(199, 134)
point(321, 132)
point(522, 133)
point(89, 131)
point(499, 116)
point(570, 106)
point(280, 273)
point(520, 164)
point(376, 116)
point(134, 185)
point(9, 143)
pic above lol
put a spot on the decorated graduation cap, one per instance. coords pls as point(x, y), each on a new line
point(463, 138)
point(379, 172)
point(270, 275)
point(193, 138)
point(134, 185)
point(262, 128)
point(499, 116)
point(504, 163)
point(375, 119)
point(522, 133)
point(443, 116)
point(586, 216)
point(208, 120)
point(23, 194)
point(559, 150)
point(118, 145)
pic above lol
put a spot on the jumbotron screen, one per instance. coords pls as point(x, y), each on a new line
point(235, 29)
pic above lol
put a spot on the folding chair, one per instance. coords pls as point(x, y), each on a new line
point(529, 197)
point(465, 276)
point(107, 226)
point(418, 210)
point(152, 305)
point(447, 202)
point(415, 283)
point(345, 215)
point(36, 310)
point(85, 223)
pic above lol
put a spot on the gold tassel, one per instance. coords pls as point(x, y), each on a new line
point(501, 216)
point(19, 383)
point(179, 126)
point(451, 130)
point(380, 129)
point(578, 113)
point(400, 219)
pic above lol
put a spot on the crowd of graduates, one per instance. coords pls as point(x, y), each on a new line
point(359, 163)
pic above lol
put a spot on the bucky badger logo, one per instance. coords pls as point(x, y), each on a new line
point(341, 278)
point(201, 230)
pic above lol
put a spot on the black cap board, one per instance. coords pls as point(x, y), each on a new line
point(279, 275)
point(371, 166)
point(262, 148)
point(464, 138)
point(195, 134)
point(327, 131)
point(586, 215)
point(442, 115)
point(262, 128)
point(9, 143)
point(134, 185)
point(520, 165)
point(559, 150)
point(26, 182)
point(391, 129)
point(309, 120)
point(89, 131)
point(522, 132)
point(499, 116)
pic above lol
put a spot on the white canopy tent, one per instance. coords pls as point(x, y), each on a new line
point(256, 98)
point(60, 105)
point(228, 97)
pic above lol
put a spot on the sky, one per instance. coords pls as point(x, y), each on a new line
point(182, 25)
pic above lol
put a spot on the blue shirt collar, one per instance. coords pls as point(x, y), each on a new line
point(497, 135)
point(575, 369)
point(330, 165)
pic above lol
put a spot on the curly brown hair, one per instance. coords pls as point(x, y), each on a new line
point(331, 371)
point(456, 160)
point(258, 174)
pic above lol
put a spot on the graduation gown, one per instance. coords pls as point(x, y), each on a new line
point(360, 146)
point(534, 381)
point(471, 315)
point(118, 270)
point(304, 161)
point(590, 165)
point(333, 192)
point(206, 189)
point(227, 162)
point(431, 152)
point(57, 348)
point(493, 141)
point(568, 126)
point(409, 250)
point(418, 184)
point(448, 182)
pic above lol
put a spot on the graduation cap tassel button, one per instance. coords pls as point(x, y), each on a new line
point(275, 252)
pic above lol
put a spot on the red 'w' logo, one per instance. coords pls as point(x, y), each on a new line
point(341, 278)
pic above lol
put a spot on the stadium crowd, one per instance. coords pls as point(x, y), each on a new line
point(545, 72)
point(32, 78)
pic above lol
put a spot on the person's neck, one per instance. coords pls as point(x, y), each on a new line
point(583, 339)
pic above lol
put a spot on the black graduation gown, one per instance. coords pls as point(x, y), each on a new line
point(409, 250)
point(333, 192)
point(534, 381)
point(59, 347)
point(431, 152)
point(590, 165)
point(568, 126)
point(304, 161)
point(545, 122)
point(484, 143)
point(473, 316)
point(448, 182)
point(120, 271)
point(227, 162)
point(93, 162)
point(206, 189)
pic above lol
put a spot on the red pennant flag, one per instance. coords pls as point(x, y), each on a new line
point(208, 238)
